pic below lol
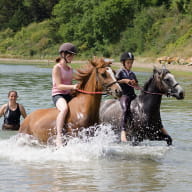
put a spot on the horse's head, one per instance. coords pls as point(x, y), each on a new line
point(105, 77)
point(167, 83)
point(99, 77)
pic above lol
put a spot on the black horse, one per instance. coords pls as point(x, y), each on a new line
point(145, 108)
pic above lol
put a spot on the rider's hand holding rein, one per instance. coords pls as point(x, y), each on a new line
point(129, 82)
point(75, 87)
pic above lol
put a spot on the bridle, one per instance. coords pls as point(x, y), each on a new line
point(105, 86)
point(109, 85)
point(168, 94)
point(170, 90)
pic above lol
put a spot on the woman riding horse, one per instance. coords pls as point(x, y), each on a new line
point(62, 75)
point(145, 108)
point(83, 112)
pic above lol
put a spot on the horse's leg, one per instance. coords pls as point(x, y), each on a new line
point(137, 138)
point(166, 136)
point(162, 135)
point(168, 139)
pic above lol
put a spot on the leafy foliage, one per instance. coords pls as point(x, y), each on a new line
point(98, 27)
point(15, 14)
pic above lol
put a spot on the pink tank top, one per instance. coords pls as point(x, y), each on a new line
point(66, 78)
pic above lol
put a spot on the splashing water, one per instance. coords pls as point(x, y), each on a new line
point(83, 148)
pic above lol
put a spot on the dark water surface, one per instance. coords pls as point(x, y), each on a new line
point(100, 164)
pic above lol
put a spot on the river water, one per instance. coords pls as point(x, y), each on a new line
point(100, 164)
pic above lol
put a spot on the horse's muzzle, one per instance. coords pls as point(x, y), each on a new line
point(178, 92)
point(116, 93)
point(181, 95)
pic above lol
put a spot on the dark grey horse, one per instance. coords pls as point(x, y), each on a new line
point(145, 108)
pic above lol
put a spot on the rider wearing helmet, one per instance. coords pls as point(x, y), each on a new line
point(68, 48)
point(62, 75)
point(128, 81)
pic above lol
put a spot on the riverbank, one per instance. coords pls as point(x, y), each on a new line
point(18, 61)
point(149, 63)
point(140, 64)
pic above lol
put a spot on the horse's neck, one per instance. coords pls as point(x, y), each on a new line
point(91, 84)
point(92, 99)
point(152, 94)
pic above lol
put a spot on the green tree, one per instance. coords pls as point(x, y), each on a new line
point(39, 10)
point(15, 14)
point(8, 11)
point(93, 22)
point(183, 6)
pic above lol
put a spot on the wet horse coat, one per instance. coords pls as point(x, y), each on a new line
point(83, 108)
point(145, 108)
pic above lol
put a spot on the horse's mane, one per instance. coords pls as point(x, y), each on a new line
point(157, 76)
point(83, 74)
point(147, 83)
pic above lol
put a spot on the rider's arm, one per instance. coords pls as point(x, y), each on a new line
point(126, 81)
point(120, 76)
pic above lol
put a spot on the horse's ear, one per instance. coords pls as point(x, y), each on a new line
point(94, 58)
point(156, 70)
point(94, 61)
point(164, 66)
point(108, 62)
point(157, 73)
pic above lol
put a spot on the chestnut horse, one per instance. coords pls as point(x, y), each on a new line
point(95, 79)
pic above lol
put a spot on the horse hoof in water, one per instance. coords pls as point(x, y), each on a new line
point(168, 139)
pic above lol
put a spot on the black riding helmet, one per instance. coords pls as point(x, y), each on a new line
point(68, 48)
point(125, 56)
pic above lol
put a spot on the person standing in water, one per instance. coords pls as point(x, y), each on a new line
point(62, 75)
point(12, 112)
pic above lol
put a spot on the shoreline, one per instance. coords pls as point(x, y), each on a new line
point(175, 67)
point(138, 63)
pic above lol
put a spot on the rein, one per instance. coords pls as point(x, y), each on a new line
point(97, 92)
point(91, 92)
point(140, 88)
point(135, 87)
point(152, 93)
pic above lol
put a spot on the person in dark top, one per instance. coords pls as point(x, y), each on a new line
point(128, 81)
point(12, 112)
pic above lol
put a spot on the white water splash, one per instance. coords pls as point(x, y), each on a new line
point(102, 146)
